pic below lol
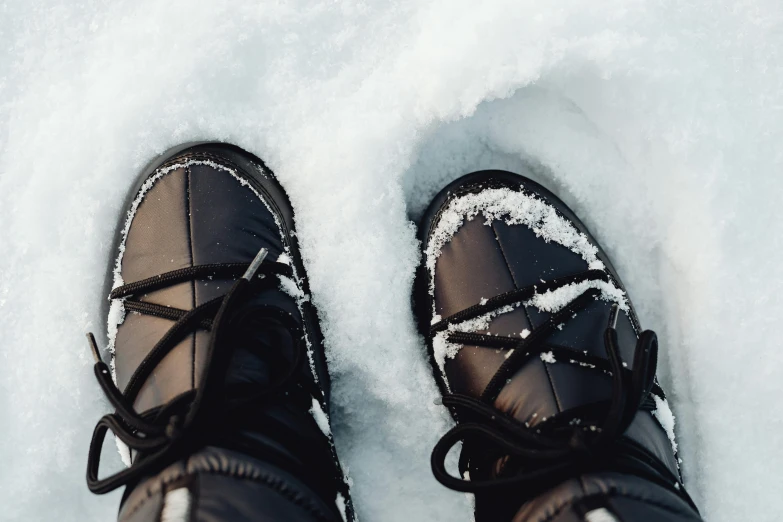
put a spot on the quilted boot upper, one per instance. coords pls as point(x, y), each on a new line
point(537, 350)
point(212, 335)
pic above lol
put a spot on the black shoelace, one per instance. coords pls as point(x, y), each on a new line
point(561, 446)
point(163, 434)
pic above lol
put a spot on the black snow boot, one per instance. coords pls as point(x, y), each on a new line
point(217, 368)
point(542, 362)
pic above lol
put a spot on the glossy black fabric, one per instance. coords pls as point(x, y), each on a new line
point(214, 203)
point(626, 498)
point(223, 486)
point(197, 214)
point(483, 260)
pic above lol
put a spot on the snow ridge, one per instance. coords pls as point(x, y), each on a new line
point(515, 207)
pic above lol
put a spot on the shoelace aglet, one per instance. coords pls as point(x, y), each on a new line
point(613, 316)
point(94, 348)
point(253, 268)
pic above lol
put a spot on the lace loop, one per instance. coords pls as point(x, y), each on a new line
point(161, 434)
point(557, 447)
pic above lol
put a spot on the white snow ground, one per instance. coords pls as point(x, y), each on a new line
point(660, 121)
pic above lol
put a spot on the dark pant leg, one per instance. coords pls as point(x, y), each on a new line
point(602, 497)
point(226, 486)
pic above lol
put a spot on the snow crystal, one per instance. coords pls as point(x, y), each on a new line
point(548, 357)
point(340, 501)
point(288, 286)
point(580, 363)
point(443, 349)
point(665, 417)
point(553, 301)
point(321, 418)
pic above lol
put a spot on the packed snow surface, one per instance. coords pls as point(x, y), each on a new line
point(660, 123)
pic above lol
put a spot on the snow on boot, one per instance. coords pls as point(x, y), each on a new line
point(541, 360)
point(217, 369)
